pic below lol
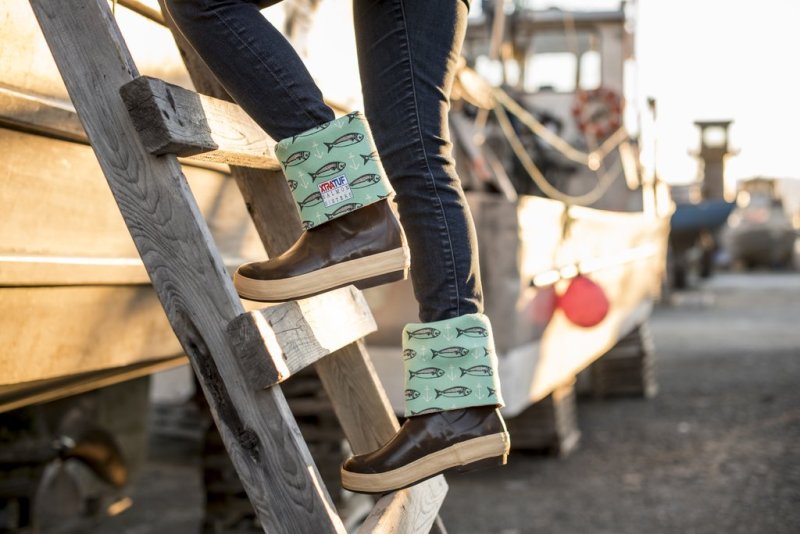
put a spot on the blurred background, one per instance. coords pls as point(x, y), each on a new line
point(631, 171)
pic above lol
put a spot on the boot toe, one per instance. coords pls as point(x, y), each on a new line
point(359, 464)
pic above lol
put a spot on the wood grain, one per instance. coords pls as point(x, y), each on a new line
point(257, 428)
point(174, 120)
point(73, 330)
point(411, 510)
point(276, 342)
point(81, 238)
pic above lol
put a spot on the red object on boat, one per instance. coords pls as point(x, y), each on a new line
point(542, 307)
point(584, 302)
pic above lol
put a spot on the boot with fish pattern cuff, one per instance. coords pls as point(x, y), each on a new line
point(333, 169)
point(449, 365)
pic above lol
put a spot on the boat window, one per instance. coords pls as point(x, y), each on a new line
point(563, 61)
point(551, 71)
point(590, 70)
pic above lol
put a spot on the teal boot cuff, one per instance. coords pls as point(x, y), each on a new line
point(450, 364)
point(333, 169)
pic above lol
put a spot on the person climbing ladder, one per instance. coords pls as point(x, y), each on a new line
point(407, 53)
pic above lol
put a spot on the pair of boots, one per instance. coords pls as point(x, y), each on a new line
point(353, 237)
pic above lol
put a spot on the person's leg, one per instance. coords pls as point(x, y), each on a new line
point(255, 63)
point(330, 164)
point(407, 54)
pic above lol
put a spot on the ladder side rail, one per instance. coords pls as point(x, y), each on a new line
point(186, 269)
point(353, 387)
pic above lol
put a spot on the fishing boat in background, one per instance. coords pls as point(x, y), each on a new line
point(759, 231)
point(572, 232)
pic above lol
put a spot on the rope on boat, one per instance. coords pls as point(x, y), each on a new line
point(590, 159)
point(536, 175)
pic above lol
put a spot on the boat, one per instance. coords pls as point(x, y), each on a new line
point(81, 328)
point(565, 216)
point(759, 231)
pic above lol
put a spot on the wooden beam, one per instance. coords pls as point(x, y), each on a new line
point(21, 395)
point(357, 396)
point(411, 510)
point(258, 430)
point(276, 342)
point(52, 118)
point(174, 120)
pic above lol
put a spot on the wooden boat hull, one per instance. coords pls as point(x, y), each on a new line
point(624, 253)
point(75, 298)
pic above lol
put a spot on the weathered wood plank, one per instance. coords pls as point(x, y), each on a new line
point(412, 510)
point(174, 120)
point(276, 342)
point(29, 393)
point(50, 332)
point(40, 115)
point(257, 428)
point(80, 238)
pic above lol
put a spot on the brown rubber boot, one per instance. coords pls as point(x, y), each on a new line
point(365, 247)
point(427, 445)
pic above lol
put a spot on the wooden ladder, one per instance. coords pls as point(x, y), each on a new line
point(137, 127)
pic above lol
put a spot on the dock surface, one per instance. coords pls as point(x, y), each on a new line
point(715, 451)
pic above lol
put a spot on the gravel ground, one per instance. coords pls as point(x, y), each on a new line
point(716, 451)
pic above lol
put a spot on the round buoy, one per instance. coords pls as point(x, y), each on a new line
point(584, 302)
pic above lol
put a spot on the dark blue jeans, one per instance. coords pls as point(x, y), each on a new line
point(407, 51)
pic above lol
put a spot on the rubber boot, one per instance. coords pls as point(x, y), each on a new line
point(351, 234)
point(452, 398)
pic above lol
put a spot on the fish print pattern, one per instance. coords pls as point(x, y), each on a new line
point(427, 373)
point(311, 200)
point(327, 170)
point(296, 159)
point(423, 333)
point(372, 156)
point(347, 208)
point(333, 170)
point(365, 180)
point(477, 370)
point(453, 365)
point(348, 139)
point(409, 353)
point(450, 352)
point(411, 394)
point(474, 331)
point(455, 391)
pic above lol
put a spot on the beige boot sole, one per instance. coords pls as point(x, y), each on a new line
point(369, 271)
point(458, 456)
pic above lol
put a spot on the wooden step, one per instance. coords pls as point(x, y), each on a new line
point(174, 120)
point(276, 342)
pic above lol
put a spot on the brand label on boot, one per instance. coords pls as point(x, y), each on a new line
point(335, 190)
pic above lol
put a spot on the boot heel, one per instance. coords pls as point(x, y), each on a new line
point(486, 463)
point(380, 280)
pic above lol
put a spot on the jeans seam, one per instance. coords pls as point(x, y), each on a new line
point(280, 83)
point(432, 181)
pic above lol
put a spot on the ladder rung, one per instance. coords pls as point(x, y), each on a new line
point(276, 342)
point(407, 511)
point(174, 120)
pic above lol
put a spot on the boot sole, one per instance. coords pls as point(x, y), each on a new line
point(476, 453)
point(370, 271)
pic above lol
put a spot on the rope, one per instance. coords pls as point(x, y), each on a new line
point(591, 159)
point(538, 178)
